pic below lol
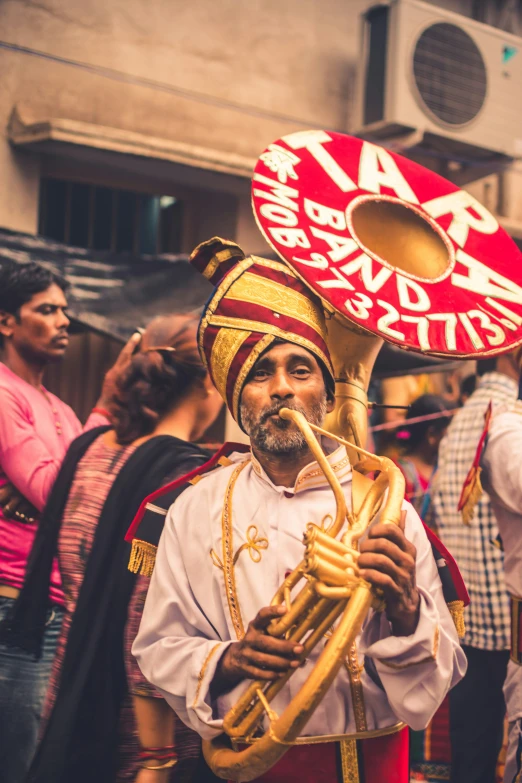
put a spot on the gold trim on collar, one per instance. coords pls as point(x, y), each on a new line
point(336, 467)
point(224, 350)
point(228, 553)
point(281, 299)
point(313, 476)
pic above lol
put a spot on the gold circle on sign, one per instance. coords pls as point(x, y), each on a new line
point(401, 237)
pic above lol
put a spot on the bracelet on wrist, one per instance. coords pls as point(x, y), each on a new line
point(158, 758)
point(162, 765)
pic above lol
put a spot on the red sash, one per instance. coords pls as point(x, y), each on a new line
point(380, 760)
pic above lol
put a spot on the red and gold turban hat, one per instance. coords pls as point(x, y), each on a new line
point(255, 302)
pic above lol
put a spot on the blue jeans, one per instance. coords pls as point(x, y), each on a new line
point(23, 685)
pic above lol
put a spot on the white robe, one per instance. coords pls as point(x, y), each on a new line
point(190, 618)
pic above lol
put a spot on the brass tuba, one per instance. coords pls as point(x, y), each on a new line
point(332, 591)
point(417, 242)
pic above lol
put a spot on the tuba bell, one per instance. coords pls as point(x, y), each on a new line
point(387, 267)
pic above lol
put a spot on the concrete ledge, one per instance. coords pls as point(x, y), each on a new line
point(49, 134)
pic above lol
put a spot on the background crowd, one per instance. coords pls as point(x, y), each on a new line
point(69, 607)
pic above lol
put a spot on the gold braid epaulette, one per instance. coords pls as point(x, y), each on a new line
point(142, 557)
point(143, 554)
point(475, 492)
point(457, 614)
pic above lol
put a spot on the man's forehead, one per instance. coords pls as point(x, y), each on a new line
point(52, 295)
point(284, 352)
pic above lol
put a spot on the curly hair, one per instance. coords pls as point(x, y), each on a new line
point(160, 373)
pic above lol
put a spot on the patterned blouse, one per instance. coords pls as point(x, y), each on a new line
point(474, 547)
point(95, 475)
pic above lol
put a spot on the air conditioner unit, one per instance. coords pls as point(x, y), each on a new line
point(457, 83)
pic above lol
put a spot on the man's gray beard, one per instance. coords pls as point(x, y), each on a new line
point(288, 440)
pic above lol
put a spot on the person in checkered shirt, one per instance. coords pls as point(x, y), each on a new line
point(476, 703)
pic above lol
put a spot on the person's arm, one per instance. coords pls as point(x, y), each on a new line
point(502, 460)
point(416, 653)
point(26, 459)
point(154, 717)
point(155, 722)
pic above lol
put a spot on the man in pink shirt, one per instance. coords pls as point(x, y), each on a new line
point(36, 429)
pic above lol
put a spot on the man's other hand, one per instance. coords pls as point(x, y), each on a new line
point(257, 656)
point(387, 561)
point(117, 369)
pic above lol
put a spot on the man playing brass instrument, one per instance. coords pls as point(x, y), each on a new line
point(230, 541)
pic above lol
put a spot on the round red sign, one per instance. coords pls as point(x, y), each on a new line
point(392, 246)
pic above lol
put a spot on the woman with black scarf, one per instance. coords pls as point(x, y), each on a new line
point(97, 698)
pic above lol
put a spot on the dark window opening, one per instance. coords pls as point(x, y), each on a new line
point(101, 218)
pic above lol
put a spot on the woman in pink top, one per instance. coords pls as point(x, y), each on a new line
point(36, 429)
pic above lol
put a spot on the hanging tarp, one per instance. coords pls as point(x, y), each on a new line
point(113, 293)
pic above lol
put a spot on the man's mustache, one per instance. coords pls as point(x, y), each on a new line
point(61, 334)
point(274, 410)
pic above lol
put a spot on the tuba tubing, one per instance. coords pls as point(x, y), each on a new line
point(308, 619)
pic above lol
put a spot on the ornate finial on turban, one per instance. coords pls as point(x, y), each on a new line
point(215, 257)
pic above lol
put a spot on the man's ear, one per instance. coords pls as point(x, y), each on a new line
point(330, 401)
point(7, 321)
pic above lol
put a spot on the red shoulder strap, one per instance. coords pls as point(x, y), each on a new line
point(470, 479)
point(224, 451)
point(456, 576)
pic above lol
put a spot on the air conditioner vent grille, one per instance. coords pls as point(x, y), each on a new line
point(450, 73)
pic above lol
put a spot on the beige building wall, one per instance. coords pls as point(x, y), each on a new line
point(219, 80)
point(228, 76)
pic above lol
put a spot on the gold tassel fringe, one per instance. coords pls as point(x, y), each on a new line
point(457, 614)
point(473, 496)
point(142, 557)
